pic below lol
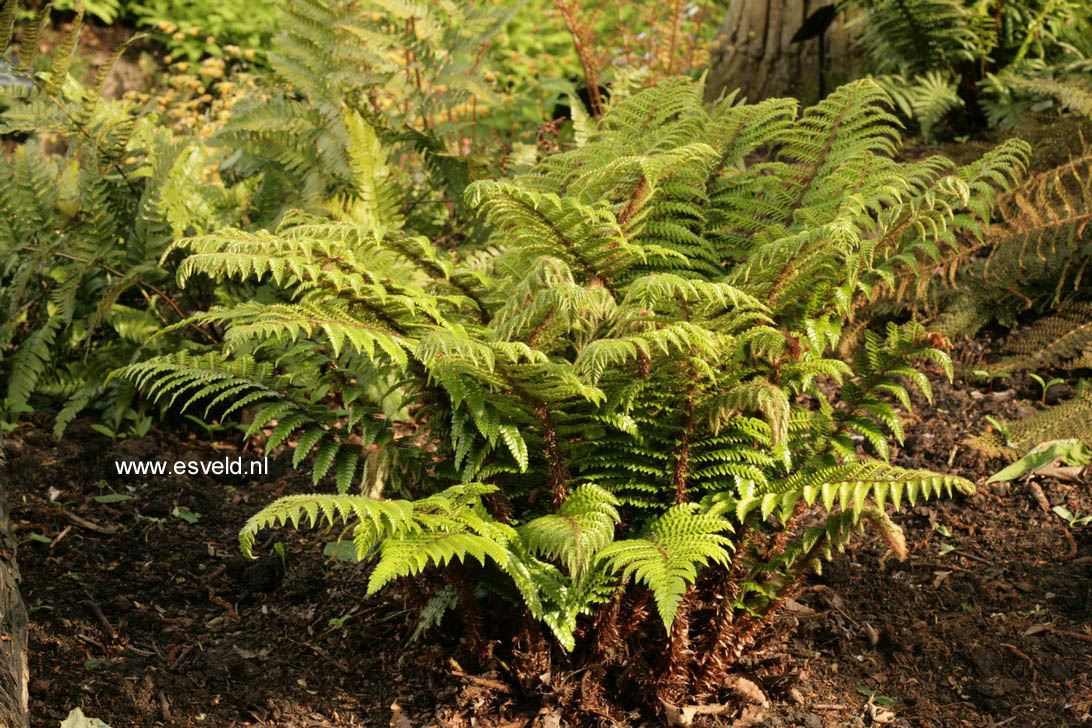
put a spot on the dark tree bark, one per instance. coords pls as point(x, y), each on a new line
point(13, 623)
point(754, 51)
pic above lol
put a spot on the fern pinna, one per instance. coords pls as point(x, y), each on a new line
point(630, 402)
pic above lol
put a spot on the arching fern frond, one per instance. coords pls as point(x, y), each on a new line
point(667, 558)
point(581, 527)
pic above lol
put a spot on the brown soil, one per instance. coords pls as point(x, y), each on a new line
point(162, 623)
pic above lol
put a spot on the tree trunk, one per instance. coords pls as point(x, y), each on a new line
point(753, 52)
point(13, 624)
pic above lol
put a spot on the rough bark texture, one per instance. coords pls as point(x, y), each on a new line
point(13, 624)
point(752, 51)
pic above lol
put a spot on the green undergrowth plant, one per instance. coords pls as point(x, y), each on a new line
point(91, 195)
point(195, 29)
point(956, 66)
point(627, 419)
point(408, 74)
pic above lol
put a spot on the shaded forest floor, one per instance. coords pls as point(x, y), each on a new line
point(144, 614)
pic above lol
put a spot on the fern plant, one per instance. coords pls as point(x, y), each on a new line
point(81, 232)
point(630, 402)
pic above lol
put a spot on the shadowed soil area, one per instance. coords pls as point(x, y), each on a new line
point(143, 612)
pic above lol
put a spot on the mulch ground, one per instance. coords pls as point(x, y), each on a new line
point(145, 616)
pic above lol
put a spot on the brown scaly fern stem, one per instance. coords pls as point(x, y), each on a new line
point(713, 665)
point(675, 681)
point(752, 628)
point(783, 536)
point(682, 462)
point(593, 695)
point(413, 597)
point(607, 643)
point(636, 607)
point(733, 637)
point(499, 505)
point(631, 208)
point(558, 477)
point(531, 652)
point(634, 202)
point(469, 609)
point(533, 340)
point(646, 366)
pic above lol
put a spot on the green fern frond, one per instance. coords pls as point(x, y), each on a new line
point(62, 57)
point(7, 24)
point(667, 558)
point(29, 362)
point(581, 527)
point(850, 486)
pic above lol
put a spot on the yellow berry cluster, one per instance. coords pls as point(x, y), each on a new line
point(197, 97)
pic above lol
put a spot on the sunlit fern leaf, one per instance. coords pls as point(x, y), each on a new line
point(577, 531)
point(667, 558)
point(851, 486)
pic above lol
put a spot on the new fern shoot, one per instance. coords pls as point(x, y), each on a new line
point(629, 403)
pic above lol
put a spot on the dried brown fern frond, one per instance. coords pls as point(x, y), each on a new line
point(1061, 339)
point(1045, 239)
point(1081, 362)
point(1070, 419)
point(648, 41)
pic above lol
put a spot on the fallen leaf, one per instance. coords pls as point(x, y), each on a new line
point(1071, 452)
point(1036, 629)
point(76, 719)
point(1072, 473)
point(880, 715)
point(1040, 497)
point(398, 718)
point(684, 716)
point(747, 690)
point(791, 605)
point(676, 716)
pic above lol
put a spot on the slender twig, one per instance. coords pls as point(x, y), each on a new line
point(94, 143)
point(111, 269)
